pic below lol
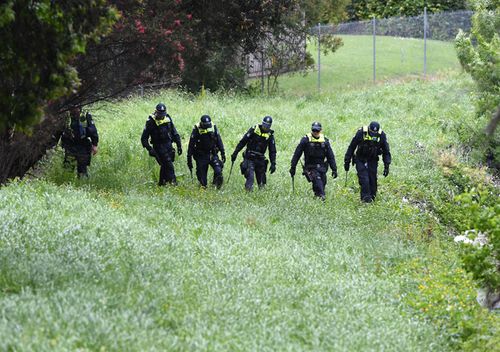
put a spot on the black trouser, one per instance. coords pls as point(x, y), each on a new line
point(257, 166)
point(167, 172)
point(202, 163)
point(367, 176)
point(82, 160)
point(317, 176)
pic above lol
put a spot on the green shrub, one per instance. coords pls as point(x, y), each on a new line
point(481, 211)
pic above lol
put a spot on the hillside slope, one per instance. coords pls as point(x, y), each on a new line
point(116, 263)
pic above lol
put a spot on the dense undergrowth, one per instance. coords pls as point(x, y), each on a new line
point(116, 263)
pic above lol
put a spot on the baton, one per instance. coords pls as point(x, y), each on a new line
point(230, 171)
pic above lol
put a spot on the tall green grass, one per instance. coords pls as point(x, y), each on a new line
point(116, 263)
point(352, 65)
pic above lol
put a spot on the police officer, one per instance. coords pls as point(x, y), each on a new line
point(316, 148)
point(160, 128)
point(257, 140)
point(204, 145)
point(368, 143)
point(79, 140)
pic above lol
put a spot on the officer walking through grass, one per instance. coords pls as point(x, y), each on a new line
point(79, 140)
point(366, 146)
point(161, 131)
point(258, 139)
point(318, 154)
point(205, 144)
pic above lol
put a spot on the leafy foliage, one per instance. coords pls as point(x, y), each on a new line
point(367, 9)
point(39, 39)
point(482, 213)
point(479, 54)
point(227, 30)
point(148, 44)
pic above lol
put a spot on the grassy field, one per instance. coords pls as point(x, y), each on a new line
point(352, 64)
point(116, 263)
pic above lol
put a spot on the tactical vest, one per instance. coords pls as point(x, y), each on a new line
point(206, 139)
point(258, 140)
point(77, 130)
point(162, 133)
point(369, 147)
point(315, 150)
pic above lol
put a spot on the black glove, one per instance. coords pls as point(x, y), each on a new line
point(386, 170)
point(152, 152)
point(179, 149)
point(334, 173)
point(346, 166)
point(233, 157)
point(272, 169)
point(223, 158)
point(292, 171)
point(190, 162)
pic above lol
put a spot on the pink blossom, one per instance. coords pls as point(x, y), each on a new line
point(180, 47)
point(139, 27)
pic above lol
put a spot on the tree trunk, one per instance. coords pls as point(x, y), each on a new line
point(19, 151)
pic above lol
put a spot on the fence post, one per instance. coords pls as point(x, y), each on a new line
point(319, 57)
point(262, 72)
point(374, 50)
point(425, 41)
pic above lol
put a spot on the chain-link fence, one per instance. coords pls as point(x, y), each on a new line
point(383, 48)
point(400, 46)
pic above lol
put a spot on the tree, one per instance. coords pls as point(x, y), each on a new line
point(286, 47)
point(226, 30)
point(367, 9)
point(38, 40)
point(148, 44)
point(479, 55)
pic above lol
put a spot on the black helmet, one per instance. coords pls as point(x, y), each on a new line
point(161, 110)
point(205, 121)
point(374, 127)
point(316, 127)
point(266, 123)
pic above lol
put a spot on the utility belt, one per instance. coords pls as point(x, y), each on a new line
point(206, 154)
point(246, 161)
point(310, 169)
point(252, 155)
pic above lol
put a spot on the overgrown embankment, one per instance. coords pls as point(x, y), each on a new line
point(116, 263)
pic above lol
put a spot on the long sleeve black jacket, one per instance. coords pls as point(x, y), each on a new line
point(368, 150)
point(205, 143)
point(257, 143)
point(162, 136)
point(314, 155)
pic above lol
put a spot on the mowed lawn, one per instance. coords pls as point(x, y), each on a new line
point(115, 263)
point(352, 64)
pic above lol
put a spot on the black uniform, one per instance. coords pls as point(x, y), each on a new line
point(364, 150)
point(204, 146)
point(77, 140)
point(162, 133)
point(315, 150)
point(254, 160)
